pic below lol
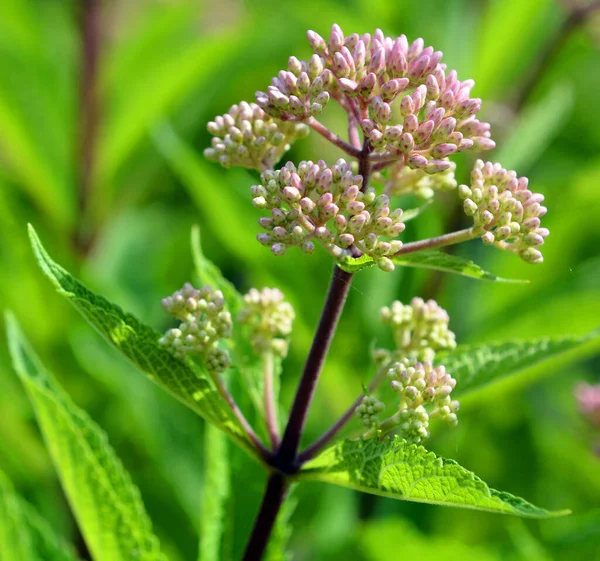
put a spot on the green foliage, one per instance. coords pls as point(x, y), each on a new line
point(432, 259)
point(106, 503)
point(217, 489)
point(398, 470)
point(139, 343)
point(24, 535)
point(476, 366)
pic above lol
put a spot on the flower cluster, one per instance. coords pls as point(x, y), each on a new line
point(269, 319)
point(434, 115)
point(402, 180)
point(420, 329)
point(204, 321)
point(588, 400)
point(314, 202)
point(369, 409)
point(424, 393)
point(298, 93)
point(505, 212)
point(246, 136)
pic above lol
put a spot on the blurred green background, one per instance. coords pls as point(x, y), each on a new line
point(103, 107)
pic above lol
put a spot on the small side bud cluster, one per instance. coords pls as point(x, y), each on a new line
point(270, 320)
point(505, 212)
point(204, 321)
point(420, 328)
point(369, 410)
point(434, 114)
point(402, 180)
point(246, 136)
point(299, 92)
point(424, 393)
point(314, 202)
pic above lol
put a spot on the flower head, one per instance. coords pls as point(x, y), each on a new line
point(246, 136)
point(420, 329)
point(505, 212)
point(314, 202)
point(369, 409)
point(588, 400)
point(269, 318)
point(204, 322)
point(424, 393)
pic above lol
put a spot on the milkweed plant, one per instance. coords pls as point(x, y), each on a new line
point(407, 115)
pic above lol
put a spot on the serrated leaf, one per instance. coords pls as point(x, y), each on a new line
point(398, 470)
point(476, 366)
point(430, 259)
point(106, 503)
point(139, 343)
point(217, 488)
point(24, 534)
point(441, 261)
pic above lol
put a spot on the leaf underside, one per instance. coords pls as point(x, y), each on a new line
point(106, 503)
point(429, 259)
point(139, 343)
point(393, 468)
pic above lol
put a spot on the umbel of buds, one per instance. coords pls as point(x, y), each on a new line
point(424, 393)
point(204, 322)
point(420, 329)
point(299, 92)
point(316, 203)
point(247, 137)
point(369, 410)
point(417, 108)
point(506, 213)
point(269, 319)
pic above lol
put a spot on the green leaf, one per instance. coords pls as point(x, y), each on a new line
point(412, 213)
point(139, 343)
point(398, 470)
point(24, 534)
point(430, 259)
point(277, 550)
point(440, 261)
point(217, 489)
point(106, 504)
point(476, 366)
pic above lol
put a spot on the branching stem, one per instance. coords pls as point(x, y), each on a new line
point(332, 137)
point(270, 406)
point(439, 241)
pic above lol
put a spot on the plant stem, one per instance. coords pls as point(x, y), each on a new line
point(224, 393)
point(267, 515)
point(336, 297)
point(327, 436)
point(333, 138)
point(88, 117)
point(270, 407)
point(439, 241)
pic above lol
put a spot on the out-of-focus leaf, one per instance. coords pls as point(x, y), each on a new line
point(378, 537)
point(398, 470)
point(217, 488)
point(24, 534)
point(476, 366)
point(139, 343)
point(282, 531)
point(106, 503)
point(228, 217)
point(155, 93)
point(536, 128)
